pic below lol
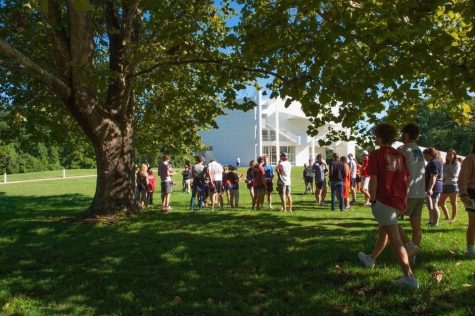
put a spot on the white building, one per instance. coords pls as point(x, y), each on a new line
point(269, 128)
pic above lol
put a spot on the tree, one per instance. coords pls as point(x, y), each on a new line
point(105, 58)
point(100, 57)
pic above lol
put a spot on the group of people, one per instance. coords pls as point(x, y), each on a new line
point(146, 183)
point(394, 182)
point(401, 181)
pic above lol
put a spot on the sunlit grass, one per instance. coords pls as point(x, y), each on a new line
point(231, 262)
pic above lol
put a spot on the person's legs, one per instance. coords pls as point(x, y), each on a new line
point(453, 203)
point(324, 194)
point(236, 198)
point(318, 193)
point(192, 201)
point(353, 191)
point(254, 198)
point(471, 232)
point(333, 195)
point(282, 198)
point(443, 198)
point(398, 248)
point(436, 212)
point(289, 199)
point(339, 189)
point(415, 221)
point(380, 244)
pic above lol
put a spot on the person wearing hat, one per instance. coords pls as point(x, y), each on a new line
point(365, 177)
point(283, 183)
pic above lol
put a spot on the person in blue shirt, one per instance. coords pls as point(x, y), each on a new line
point(269, 176)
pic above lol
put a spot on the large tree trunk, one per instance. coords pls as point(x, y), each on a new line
point(115, 188)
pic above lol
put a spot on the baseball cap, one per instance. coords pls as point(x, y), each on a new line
point(284, 154)
point(365, 152)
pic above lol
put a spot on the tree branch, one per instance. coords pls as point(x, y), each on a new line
point(17, 61)
point(208, 61)
point(60, 48)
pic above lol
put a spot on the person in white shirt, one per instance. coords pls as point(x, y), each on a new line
point(450, 188)
point(215, 172)
point(284, 169)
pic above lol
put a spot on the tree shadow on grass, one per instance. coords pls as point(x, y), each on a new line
point(181, 263)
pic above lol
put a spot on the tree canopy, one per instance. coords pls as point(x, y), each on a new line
point(168, 67)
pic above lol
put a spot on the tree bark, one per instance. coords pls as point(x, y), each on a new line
point(115, 187)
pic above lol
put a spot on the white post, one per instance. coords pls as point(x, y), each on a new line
point(4, 177)
point(313, 148)
point(64, 173)
point(259, 122)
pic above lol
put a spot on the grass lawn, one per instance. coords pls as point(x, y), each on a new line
point(236, 262)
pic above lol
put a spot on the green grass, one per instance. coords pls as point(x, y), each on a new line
point(236, 262)
point(48, 174)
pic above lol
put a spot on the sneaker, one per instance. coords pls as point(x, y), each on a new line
point(366, 260)
point(412, 251)
point(367, 204)
point(323, 204)
point(270, 207)
point(409, 281)
point(212, 209)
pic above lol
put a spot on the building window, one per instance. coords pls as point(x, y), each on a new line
point(268, 135)
point(269, 151)
point(274, 156)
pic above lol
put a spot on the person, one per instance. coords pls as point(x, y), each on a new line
point(234, 179)
point(250, 178)
point(308, 176)
point(353, 174)
point(346, 183)
point(269, 175)
point(320, 169)
point(166, 172)
point(365, 177)
point(198, 183)
point(238, 162)
point(415, 198)
point(337, 176)
point(226, 183)
point(151, 186)
point(433, 181)
point(187, 178)
point(259, 185)
point(450, 174)
point(215, 173)
point(416, 194)
point(284, 169)
point(142, 184)
point(466, 184)
point(388, 193)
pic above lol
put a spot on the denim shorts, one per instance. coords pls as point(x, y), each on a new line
point(450, 188)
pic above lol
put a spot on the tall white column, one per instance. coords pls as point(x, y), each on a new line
point(313, 148)
point(259, 123)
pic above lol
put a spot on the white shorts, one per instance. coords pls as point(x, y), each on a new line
point(365, 182)
point(384, 214)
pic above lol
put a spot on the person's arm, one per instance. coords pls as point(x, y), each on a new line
point(433, 179)
point(373, 185)
point(465, 174)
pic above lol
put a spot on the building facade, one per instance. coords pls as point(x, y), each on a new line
point(269, 128)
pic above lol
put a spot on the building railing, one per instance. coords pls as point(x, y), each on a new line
point(288, 134)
